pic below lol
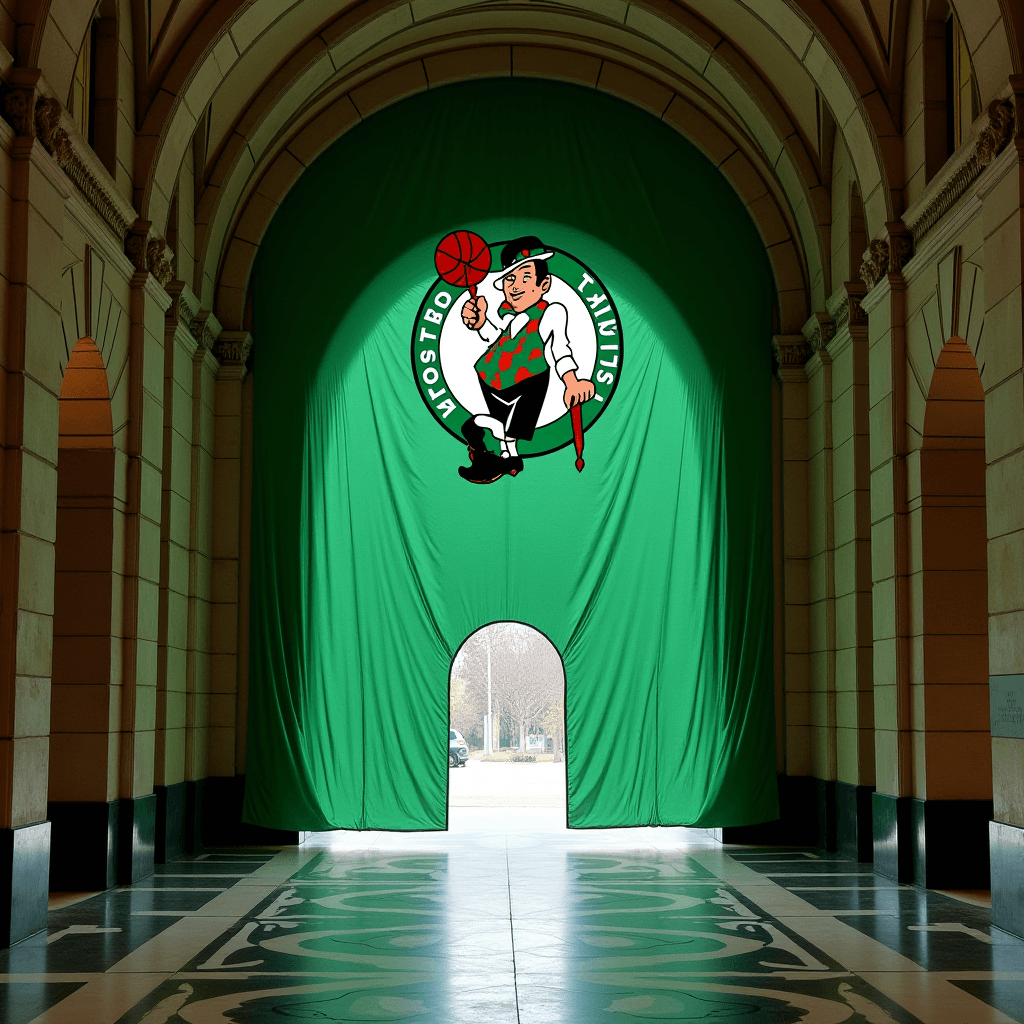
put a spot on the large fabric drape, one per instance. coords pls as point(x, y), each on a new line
point(372, 560)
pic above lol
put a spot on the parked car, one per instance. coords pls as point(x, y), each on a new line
point(458, 750)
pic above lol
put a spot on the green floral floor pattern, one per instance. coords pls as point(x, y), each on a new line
point(511, 919)
point(544, 935)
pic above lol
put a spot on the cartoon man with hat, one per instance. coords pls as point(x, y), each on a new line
point(529, 339)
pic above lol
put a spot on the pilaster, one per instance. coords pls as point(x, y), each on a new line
point(232, 350)
point(28, 487)
point(142, 554)
point(180, 346)
point(819, 331)
point(885, 304)
point(792, 352)
point(1003, 218)
point(205, 367)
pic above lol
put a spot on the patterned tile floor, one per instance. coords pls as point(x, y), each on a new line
point(507, 918)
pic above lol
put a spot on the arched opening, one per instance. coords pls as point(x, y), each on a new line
point(951, 95)
point(507, 702)
point(92, 100)
point(952, 746)
point(84, 706)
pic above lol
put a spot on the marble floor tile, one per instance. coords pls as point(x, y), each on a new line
point(509, 926)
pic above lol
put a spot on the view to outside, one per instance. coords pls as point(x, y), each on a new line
point(507, 701)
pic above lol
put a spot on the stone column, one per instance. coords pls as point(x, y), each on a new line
point(1003, 378)
point(29, 390)
point(821, 583)
point(792, 352)
point(855, 738)
point(141, 602)
point(887, 363)
point(244, 566)
point(224, 786)
point(200, 550)
point(180, 347)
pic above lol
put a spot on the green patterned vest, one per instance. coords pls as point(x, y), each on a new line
point(512, 359)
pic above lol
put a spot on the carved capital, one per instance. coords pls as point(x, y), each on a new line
point(53, 137)
point(206, 330)
point(887, 255)
point(819, 331)
point(18, 105)
point(20, 100)
point(232, 348)
point(183, 308)
point(997, 133)
point(844, 306)
point(854, 311)
point(159, 261)
point(791, 350)
point(136, 243)
point(901, 246)
point(875, 262)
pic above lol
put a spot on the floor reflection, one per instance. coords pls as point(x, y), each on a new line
point(504, 924)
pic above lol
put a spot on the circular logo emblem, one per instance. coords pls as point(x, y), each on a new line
point(517, 348)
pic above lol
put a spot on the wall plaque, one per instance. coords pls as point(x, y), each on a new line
point(1006, 705)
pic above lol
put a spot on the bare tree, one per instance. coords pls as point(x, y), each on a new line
point(554, 724)
point(526, 675)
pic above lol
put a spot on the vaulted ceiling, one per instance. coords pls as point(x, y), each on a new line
point(777, 78)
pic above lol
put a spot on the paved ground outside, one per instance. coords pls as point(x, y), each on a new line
point(507, 784)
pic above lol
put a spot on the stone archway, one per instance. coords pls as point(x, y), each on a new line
point(952, 749)
point(85, 696)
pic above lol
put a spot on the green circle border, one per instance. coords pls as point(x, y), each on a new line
point(560, 431)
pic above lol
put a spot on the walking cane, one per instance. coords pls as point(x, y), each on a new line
point(576, 412)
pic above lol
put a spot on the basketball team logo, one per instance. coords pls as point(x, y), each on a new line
point(516, 350)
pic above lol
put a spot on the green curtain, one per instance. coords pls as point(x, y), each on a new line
point(372, 560)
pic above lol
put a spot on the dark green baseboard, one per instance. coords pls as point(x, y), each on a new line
point(170, 822)
point(807, 817)
point(938, 844)
point(218, 808)
point(96, 845)
point(1006, 849)
point(853, 821)
point(24, 881)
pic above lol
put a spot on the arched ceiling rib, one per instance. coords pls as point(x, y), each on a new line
point(709, 58)
point(745, 168)
point(707, 49)
point(761, 68)
point(285, 102)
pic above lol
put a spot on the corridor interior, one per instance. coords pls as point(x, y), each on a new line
point(510, 918)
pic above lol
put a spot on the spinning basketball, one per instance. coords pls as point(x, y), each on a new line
point(463, 259)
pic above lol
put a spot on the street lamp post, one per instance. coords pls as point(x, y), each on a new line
point(488, 732)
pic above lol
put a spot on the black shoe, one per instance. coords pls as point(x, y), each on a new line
point(513, 464)
point(474, 435)
point(485, 467)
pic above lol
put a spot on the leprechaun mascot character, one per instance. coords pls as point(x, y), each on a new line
point(526, 340)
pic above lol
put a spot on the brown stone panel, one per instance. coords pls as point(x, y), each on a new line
point(769, 220)
point(316, 136)
point(956, 658)
point(478, 62)
point(745, 177)
point(692, 122)
point(253, 222)
point(631, 85)
point(549, 62)
point(389, 88)
point(953, 537)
